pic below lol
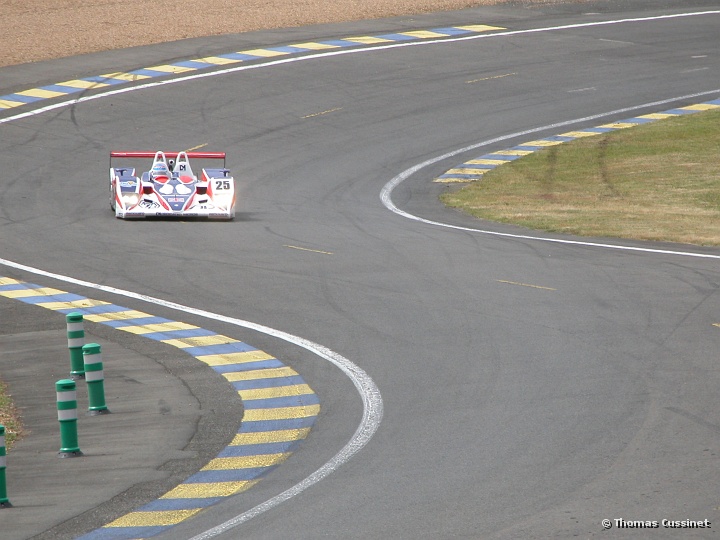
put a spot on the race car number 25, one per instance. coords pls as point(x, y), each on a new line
point(222, 184)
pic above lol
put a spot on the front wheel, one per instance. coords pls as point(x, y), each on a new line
point(112, 197)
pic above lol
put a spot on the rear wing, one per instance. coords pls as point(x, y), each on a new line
point(171, 155)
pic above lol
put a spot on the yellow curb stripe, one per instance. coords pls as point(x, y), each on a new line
point(315, 46)
point(275, 392)
point(480, 27)
point(700, 107)
point(473, 171)
point(117, 316)
point(245, 462)
point(8, 104)
point(658, 116)
point(169, 68)
point(27, 293)
point(85, 303)
point(234, 358)
point(79, 83)
point(159, 327)
point(258, 374)
point(207, 490)
point(149, 519)
point(579, 134)
point(620, 125)
point(261, 437)
point(41, 93)
point(367, 40)
point(131, 77)
point(512, 152)
point(281, 413)
point(218, 60)
point(422, 34)
point(486, 161)
point(265, 53)
point(201, 341)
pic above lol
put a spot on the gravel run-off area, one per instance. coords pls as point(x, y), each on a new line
point(36, 30)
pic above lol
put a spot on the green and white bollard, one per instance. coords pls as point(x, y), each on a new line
point(4, 501)
point(76, 340)
point(67, 416)
point(95, 378)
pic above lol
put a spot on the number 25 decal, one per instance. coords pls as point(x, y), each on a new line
point(222, 184)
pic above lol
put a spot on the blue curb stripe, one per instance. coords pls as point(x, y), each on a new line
point(267, 383)
point(245, 450)
point(234, 475)
point(278, 402)
point(260, 364)
point(135, 322)
point(160, 505)
point(125, 533)
point(150, 72)
point(536, 145)
point(272, 427)
point(277, 425)
point(177, 334)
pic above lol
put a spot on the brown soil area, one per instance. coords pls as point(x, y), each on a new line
point(34, 30)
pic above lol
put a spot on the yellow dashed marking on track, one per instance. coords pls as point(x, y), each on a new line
point(322, 113)
point(525, 285)
point(308, 249)
point(490, 78)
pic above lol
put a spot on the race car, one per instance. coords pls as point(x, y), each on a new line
point(170, 188)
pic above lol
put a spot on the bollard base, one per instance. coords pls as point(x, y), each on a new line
point(76, 453)
point(98, 412)
point(5, 504)
point(77, 376)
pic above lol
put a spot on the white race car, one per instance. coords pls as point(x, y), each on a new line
point(170, 188)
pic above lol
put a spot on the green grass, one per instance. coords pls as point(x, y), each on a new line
point(658, 181)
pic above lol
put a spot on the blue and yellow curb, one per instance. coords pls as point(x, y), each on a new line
point(474, 169)
point(68, 88)
point(280, 408)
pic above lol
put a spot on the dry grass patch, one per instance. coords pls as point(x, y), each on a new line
point(658, 181)
point(9, 417)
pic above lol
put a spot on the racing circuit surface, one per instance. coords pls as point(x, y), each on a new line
point(530, 389)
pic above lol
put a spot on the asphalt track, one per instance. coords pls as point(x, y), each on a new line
point(531, 389)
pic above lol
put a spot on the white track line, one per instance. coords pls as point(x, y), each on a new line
point(387, 190)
